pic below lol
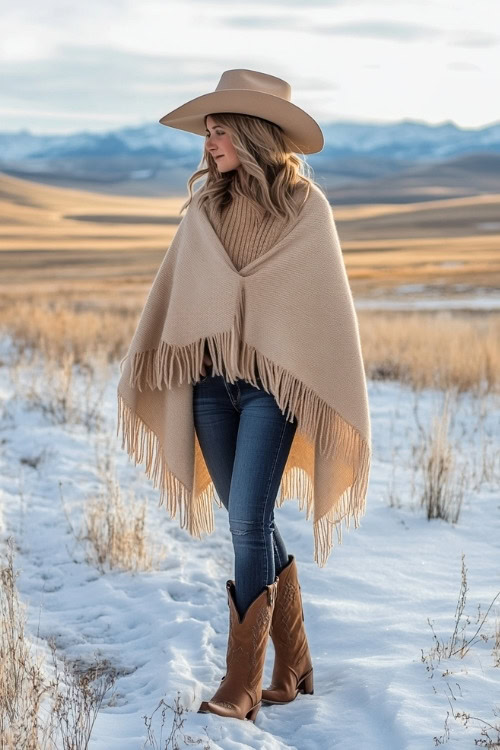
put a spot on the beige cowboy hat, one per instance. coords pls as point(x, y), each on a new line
point(250, 92)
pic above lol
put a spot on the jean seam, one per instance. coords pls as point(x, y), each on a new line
point(271, 475)
point(275, 549)
point(231, 396)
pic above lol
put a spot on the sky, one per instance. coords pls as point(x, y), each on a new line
point(105, 64)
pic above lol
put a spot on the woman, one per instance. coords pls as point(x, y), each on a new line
point(257, 342)
point(244, 436)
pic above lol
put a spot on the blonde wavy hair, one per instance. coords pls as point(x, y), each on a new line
point(269, 172)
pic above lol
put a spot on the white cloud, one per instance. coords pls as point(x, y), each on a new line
point(122, 62)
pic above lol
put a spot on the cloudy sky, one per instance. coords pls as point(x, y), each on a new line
point(102, 64)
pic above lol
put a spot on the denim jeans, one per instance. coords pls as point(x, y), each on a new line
point(245, 440)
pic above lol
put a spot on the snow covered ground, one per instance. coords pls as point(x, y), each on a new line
point(431, 297)
point(365, 612)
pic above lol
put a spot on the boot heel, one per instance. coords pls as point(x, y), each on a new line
point(253, 712)
point(306, 684)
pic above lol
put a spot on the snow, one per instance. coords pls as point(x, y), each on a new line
point(423, 297)
point(365, 612)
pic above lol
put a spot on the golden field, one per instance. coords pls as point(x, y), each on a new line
point(77, 266)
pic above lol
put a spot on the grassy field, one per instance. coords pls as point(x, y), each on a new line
point(77, 266)
point(103, 244)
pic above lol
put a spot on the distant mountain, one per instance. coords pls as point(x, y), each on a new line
point(399, 160)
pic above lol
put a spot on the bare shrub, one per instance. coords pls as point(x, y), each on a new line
point(489, 733)
point(459, 643)
point(38, 713)
point(78, 698)
point(433, 470)
point(114, 531)
point(64, 391)
point(389, 369)
point(176, 734)
point(22, 682)
point(443, 487)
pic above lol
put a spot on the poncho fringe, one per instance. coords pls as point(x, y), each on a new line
point(170, 365)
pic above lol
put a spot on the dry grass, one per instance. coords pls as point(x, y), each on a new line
point(428, 466)
point(433, 350)
point(79, 696)
point(38, 712)
point(68, 326)
point(443, 483)
point(77, 268)
point(114, 532)
point(176, 738)
point(23, 686)
point(458, 644)
point(424, 350)
point(64, 391)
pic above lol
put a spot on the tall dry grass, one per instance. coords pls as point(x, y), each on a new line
point(431, 467)
point(443, 480)
point(23, 686)
point(63, 389)
point(441, 350)
point(56, 327)
point(114, 531)
point(421, 349)
point(37, 711)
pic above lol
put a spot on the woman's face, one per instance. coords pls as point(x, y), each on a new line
point(218, 144)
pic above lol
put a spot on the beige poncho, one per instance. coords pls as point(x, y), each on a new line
point(290, 312)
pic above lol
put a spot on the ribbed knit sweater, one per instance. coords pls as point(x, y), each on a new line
point(245, 234)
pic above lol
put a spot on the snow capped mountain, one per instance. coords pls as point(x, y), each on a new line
point(405, 140)
point(152, 159)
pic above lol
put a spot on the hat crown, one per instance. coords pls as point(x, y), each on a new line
point(251, 92)
point(254, 80)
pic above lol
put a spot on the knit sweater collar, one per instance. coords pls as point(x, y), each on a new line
point(241, 208)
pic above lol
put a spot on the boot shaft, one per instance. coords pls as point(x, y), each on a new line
point(287, 626)
point(249, 635)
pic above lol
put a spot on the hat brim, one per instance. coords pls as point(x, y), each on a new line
point(300, 128)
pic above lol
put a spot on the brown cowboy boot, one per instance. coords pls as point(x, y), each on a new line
point(293, 670)
point(240, 690)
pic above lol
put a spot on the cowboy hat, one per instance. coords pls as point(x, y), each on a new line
point(250, 92)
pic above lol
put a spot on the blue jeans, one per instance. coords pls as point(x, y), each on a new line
point(245, 441)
